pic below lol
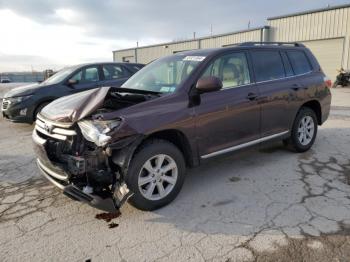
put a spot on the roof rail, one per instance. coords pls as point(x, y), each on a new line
point(271, 43)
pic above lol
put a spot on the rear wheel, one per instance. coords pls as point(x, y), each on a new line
point(304, 130)
point(156, 175)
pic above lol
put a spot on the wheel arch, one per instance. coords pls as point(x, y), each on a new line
point(177, 138)
point(122, 155)
point(46, 101)
point(316, 107)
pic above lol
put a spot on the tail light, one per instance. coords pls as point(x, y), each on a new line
point(327, 81)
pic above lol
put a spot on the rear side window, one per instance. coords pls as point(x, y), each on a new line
point(287, 65)
point(112, 72)
point(136, 67)
point(268, 65)
point(299, 61)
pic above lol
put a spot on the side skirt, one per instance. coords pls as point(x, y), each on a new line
point(241, 146)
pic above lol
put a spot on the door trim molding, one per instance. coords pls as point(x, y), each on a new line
point(251, 143)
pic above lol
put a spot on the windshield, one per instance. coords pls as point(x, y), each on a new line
point(59, 76)
point(165, 74)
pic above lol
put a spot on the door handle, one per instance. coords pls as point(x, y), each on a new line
point(296, 87)
point(252, 96)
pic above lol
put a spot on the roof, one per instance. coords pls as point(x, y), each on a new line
point(196, 39)
point(310, 11)
point(102, 63)
point(245, 46)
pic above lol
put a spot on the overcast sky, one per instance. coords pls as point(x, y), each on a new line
point(40, 34)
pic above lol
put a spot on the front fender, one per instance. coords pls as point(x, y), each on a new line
point(122, 151)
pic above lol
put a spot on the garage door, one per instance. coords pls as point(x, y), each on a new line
point(329, 54)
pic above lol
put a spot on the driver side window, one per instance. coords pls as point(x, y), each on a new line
point(77, 76)
point(231, 69)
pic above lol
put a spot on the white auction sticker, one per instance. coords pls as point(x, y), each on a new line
point(194, 58)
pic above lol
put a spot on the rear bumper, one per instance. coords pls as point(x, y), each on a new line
point(326, 107)
point(60, 179)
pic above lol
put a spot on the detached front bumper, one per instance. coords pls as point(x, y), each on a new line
point(59, 178)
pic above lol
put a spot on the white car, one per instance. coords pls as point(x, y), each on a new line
point(5, 80)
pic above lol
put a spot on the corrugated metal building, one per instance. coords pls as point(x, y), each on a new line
point(325, 31)
point(147, 54)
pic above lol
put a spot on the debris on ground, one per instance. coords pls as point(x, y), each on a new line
point(113, 225)
point(107, 216)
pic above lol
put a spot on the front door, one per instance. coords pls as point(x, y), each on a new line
point(231, 116)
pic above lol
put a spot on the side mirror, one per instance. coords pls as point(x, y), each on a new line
point(208, 84)
point(72, 82)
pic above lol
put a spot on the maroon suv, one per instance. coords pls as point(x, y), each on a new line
point(106, 145)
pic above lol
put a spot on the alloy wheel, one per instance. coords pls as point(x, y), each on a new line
point(158, 177)
point(306, 130)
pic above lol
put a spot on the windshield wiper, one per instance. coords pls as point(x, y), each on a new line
point(135, 91)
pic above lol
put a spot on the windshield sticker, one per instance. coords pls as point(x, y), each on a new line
point(164, 89)
point(194, 58)
point(167, 89)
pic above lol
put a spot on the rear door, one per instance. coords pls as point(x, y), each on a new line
point(231, 116)
point(277, 87)
point(114, 75)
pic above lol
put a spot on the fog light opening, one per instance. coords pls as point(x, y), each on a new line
point(23, 112)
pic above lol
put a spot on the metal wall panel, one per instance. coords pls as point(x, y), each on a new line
point(231, 39)
point(124, 55)
point(313, 26)
point(320, 25)
point(325, 25)
point(149, 53)
point(329, 54)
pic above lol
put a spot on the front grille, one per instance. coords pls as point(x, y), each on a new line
point(5, 104)
point(54, 130)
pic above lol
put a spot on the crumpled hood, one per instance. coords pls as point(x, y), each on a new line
point(22, 90)
point(74, 107)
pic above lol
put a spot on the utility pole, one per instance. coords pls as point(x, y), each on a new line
point(137, 45)
point(211, 30)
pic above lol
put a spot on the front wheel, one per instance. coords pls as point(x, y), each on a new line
point(38, 109)
point(156, 175)
point(304, 130)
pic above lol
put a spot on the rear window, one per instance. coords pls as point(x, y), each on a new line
point(299, 61)
point(268, 65)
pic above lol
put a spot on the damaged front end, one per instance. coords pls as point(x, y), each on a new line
point(79, 152)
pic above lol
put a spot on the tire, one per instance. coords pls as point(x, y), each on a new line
point(304, 130)
point(38, 109)
point(158, 187)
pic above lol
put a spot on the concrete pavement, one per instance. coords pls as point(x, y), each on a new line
point(264, 204)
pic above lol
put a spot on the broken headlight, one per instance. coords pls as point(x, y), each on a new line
point(96, 130)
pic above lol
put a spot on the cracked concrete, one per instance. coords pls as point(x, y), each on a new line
point(264, 204)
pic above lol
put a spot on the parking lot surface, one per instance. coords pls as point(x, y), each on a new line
point(264, 204)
